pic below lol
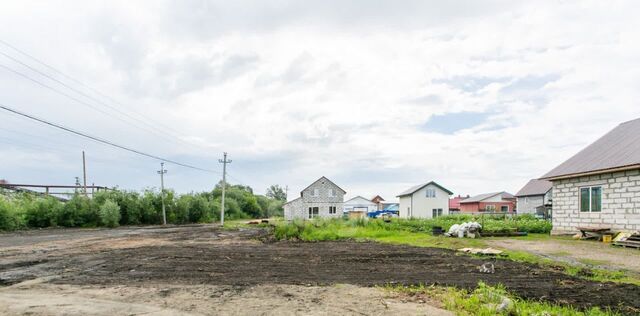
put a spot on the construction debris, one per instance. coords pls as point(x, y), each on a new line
point(480, 251)
point(468, 229)
point(628, 240)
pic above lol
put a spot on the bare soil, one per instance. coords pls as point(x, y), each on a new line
point(203, 263)
point(579, 252)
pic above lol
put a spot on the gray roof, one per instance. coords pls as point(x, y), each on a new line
point(415, 188)
point(535, 187)
point(618, 148)
point(480, 197)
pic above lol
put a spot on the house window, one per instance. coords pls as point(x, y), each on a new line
point(313, 212)
point(316, 192)
point(504, 208)
point(490, 208)
point(332, 209)
point(591, 199)
point(431, 193)
point(436, 212)
point(332, 193)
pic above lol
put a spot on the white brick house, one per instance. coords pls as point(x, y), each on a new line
point(426, 200)
point(322, 198)
point(600, 185)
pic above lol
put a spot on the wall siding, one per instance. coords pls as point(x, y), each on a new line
point(620, 202)
point(528, 204)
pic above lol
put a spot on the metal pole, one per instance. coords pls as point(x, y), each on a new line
point(224, 163)
point(84, 173)
point(164, 212)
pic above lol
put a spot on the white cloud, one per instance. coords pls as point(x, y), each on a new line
point(296, 91)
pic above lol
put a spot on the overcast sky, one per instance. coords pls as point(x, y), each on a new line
point(376, 95)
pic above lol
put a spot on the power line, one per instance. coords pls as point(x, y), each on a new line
point(84, 94)
point(100, 140)
point(68, 96)
point(86, 86)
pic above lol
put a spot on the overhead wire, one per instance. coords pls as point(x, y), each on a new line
point(101, 140)
point(84, 85)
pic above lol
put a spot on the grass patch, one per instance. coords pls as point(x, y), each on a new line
point(416, 232)
point(486, 300)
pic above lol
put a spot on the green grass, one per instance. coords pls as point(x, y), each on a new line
point(417, 233)
point(486, 300)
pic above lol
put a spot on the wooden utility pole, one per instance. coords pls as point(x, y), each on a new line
point(224, 163)
point(84, 173)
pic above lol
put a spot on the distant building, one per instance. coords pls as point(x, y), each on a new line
point(454, 203)
point(322, 198)
point(379, 201)
point(426, 200)
point(535, 198)
point(600, 185)
point(489, 202)
point(359, 206)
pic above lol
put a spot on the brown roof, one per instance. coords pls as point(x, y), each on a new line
point(535, 187)
point(481, 197)
point(618, 148)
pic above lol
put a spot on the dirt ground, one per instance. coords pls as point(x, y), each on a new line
point(578, 252)
point(204, 270)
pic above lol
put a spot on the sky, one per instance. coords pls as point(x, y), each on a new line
point(378, 96)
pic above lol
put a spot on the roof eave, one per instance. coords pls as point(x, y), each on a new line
point(590, 173)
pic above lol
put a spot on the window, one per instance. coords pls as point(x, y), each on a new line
point(591, 199)
point(436, 212)
point(490, 208)
point(313, 212)
point(332, 209)
point(504, 208)
point(431, 193)
point(316, 192)
point(332, 193)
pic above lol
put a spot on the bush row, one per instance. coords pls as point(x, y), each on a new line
point(115, 207)
point(327, 229)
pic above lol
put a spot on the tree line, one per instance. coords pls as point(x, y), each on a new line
point(119, 207)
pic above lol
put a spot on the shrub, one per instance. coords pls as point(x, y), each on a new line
point(11, 216)
point(110, 213)
point(42, 212)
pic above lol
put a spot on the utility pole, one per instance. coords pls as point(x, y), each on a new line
point(224, 163)
point(84, 173)
point(77, 184)
point(286, 193)
point(162, 171)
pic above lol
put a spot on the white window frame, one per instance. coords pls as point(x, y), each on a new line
point(315, 193)
point(314, 211)
point(332, 193)
point(333, 209)
point(590, 188)
point(430, 193)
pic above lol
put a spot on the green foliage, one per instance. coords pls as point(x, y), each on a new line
point(10, 218)
point(487, 300)
point(277, 192)
point(329, 229)
point(110, 214)
point(18, 211)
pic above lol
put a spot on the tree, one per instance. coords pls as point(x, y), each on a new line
point(276, 192)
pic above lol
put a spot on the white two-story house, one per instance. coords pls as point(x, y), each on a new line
point(322, 198)
point(426, 200)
